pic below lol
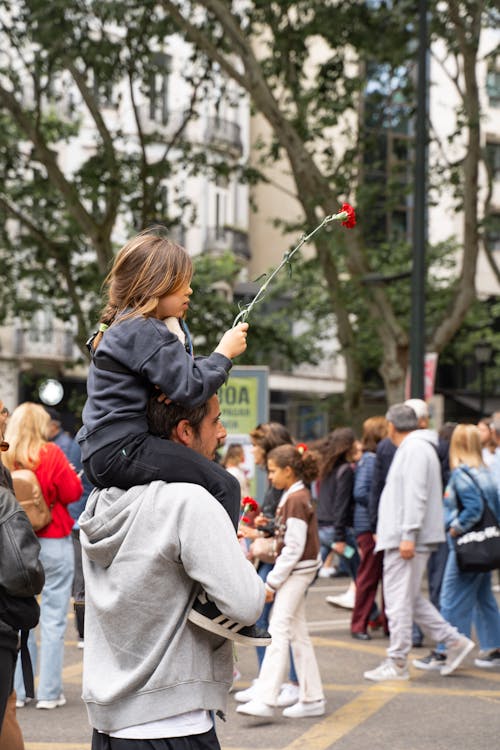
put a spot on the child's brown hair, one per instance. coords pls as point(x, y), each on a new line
point(146, 268)
point(303, 464)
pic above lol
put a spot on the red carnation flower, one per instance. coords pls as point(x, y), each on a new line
point(350, 222)
point(246, 519)
point(249, 505)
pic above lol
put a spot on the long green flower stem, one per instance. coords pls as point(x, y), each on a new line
point(247, 309)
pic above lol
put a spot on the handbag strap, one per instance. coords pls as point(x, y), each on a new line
point(486, 508)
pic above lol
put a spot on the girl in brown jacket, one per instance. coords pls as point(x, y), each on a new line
point(296, 565)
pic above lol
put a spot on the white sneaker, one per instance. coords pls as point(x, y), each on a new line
point(289, 695)
point(49, 705)
point(255, 707)
point(326, 572)
point(20, 703)
point(388, 670)
point(244, 696)
point(305, 710)
point(80, 643)
point(456, 653)
point(345, 600)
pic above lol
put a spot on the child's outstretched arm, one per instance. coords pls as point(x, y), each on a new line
point(234, 341)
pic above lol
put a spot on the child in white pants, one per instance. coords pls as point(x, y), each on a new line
point(298, 559)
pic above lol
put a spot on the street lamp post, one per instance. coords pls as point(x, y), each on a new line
point(482, 352)
point(417, 321)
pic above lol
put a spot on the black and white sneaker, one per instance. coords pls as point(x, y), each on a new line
point(206, 615)
point(488, 659)
point(433, 661)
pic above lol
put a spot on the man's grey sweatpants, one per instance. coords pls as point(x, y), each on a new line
point(405, 603)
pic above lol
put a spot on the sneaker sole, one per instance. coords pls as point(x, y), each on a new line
point(487, 664)
point(436, 667)
point(399, 678)
point(50, 707)
point(449, 668)
point(304, 716)
point(342, 605)
point(225, 630)
point(257, 714)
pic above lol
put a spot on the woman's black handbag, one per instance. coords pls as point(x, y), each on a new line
point(478, 550)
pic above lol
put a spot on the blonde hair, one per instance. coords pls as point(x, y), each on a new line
point(234, 455)
point(465, 447)
point(146, 268)
point(27, 432)
point(374, 430)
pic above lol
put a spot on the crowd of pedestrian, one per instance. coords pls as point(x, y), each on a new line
point(169, 560)
point(378, 510)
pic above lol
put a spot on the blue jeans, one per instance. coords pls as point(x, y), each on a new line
point(467, 598)
point(263, 622)
point(57, 558)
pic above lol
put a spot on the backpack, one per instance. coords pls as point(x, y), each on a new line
point(30, 497)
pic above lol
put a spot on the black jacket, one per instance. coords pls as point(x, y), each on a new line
point(335, 501)
point(383, 460)
point(21, 572)
point(134, 355)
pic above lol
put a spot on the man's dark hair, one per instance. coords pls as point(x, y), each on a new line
point(163, 418)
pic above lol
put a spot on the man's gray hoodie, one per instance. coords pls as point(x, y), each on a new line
point(147, 553)
point(411, 504)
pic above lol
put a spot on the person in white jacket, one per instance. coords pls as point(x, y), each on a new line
point(152, 677)
point(410, 525)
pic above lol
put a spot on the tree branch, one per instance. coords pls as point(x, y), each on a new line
point(109, 150)
point(67, 190)
point(58, 253)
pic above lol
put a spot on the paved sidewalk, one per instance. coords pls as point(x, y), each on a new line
point(430, 712)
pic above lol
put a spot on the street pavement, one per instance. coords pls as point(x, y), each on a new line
point(429, 712)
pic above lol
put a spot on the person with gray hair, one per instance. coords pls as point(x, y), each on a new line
point(410, 525)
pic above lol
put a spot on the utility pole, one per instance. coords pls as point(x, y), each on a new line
point(417, 319)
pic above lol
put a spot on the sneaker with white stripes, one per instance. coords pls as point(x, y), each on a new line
point(206, 615)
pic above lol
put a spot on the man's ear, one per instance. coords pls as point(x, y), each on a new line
point(184, 432)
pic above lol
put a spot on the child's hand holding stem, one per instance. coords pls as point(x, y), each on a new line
point(234, 341)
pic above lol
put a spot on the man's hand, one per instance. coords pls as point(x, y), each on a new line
point(163, 398)
point(339, 548)
point(407, 549)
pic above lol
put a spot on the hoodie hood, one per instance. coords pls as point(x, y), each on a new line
point(106, 521)
point(430, 436)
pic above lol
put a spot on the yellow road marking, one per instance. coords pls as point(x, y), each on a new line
point(368, 648)
point(335, 726)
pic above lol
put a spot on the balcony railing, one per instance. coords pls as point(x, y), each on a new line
point(224, 133)
point(221, 239)
point(53, 344)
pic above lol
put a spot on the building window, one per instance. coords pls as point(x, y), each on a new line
point(493, 84)
point(493, 159)
point(492, 232)
point(158, 89)
point(221, 218)
point(104, 91)
point(41, 327)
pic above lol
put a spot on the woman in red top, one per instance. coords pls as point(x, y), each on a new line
point(27, 433)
